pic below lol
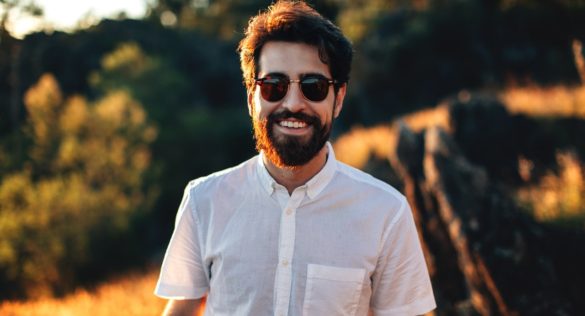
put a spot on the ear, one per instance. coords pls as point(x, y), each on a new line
point(339, 100)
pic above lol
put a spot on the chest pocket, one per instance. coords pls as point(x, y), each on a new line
point(332, 290)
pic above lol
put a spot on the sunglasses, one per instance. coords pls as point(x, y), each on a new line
point(314, 88)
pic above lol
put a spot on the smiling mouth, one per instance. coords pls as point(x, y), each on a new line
point(293, 124)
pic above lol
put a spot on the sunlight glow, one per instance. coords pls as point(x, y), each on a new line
point(66, 15)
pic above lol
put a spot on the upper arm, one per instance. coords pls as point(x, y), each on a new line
point(191, 307)
point(401, 283)
point(183, 273)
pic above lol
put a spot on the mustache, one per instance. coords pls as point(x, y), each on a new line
point(286, 114)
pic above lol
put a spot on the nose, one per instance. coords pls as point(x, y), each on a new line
point(294, 100)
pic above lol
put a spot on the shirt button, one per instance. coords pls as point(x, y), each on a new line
point(289, 211)
point(284, 263)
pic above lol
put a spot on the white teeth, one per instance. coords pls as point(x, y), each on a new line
point(295, 124)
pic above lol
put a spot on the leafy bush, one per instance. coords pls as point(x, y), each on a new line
point(78, 192)
point(203, 127)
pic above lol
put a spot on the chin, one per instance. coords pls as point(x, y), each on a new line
point(283, 139)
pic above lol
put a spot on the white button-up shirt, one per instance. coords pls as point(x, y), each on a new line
point(341, 244)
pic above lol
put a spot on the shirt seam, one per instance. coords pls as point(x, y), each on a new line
point(195, 215)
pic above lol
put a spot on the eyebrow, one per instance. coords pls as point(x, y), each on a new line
point(275, 74)
point(302, 75)
point(312, 74)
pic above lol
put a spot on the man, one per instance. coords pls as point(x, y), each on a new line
point(293, 231)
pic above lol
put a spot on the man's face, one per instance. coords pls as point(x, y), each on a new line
point(291, 131)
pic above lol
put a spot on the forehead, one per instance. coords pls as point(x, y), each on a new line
point(292, 59)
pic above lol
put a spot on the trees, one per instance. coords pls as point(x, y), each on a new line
point(79, 190)
point(414, 56)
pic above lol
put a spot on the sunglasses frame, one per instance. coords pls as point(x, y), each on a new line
point(260, 81)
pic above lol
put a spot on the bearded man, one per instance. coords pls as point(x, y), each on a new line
point(293, 231)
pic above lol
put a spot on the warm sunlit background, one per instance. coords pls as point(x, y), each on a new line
point(64, 15)
point(474, 109)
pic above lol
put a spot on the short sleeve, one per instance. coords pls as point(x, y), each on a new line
point(183, 275)
point(401, 283)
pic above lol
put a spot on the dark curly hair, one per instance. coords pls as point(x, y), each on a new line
point(295, 21)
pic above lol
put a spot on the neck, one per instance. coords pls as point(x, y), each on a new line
point(292, 178)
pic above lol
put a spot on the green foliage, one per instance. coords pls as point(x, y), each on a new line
point(359, 17)
point(153, 81)
point(82, 182)
point(201, 131)
point(204, 15)
point(225, 19)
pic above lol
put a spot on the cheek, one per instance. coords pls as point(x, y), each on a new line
point(328, 112)
point(262, 108)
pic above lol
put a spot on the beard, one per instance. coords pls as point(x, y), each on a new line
point(286, 151)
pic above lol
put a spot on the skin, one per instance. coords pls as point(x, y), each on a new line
point(184, 308)
point(295, 60)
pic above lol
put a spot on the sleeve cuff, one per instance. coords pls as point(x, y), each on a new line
point(179, 292)
point(419, 307)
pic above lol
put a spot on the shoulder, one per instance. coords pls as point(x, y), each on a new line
point(362, 181)
point(372, 193)
point(223, 180)
point(203, 195)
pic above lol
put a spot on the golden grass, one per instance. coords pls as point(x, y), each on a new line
point(131, 295)
point(558, 196)
point(423, 119)
point(559, 101)
point(358, 145)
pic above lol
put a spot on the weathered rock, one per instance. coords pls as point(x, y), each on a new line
point(408, 163)
point(486, 133)
point(506, 272)
point(439, 251)
point(485, 255)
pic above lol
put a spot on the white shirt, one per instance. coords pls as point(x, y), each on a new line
point(340, 244)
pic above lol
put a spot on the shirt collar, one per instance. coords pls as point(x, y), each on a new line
point(265, 179)
point(314, 186)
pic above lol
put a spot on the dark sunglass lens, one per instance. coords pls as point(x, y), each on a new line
point(273, 89)
point(315, 89)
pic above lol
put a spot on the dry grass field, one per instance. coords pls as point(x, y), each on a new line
point(128, 296)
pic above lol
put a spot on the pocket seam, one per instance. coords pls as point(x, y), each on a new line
point(353, 276)
point(332, 273)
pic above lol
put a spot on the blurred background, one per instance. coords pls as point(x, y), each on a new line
point(475, 109)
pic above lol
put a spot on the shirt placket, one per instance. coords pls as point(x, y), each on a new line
point(285, 254)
